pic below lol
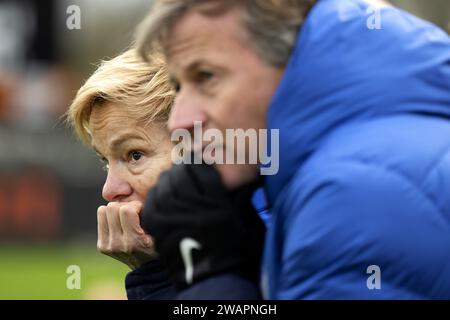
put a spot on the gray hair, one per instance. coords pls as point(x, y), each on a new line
point(271, 24)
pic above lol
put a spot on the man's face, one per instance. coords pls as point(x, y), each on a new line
point(134, 155)
point(221, 80)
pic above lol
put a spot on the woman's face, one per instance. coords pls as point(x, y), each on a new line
point(134, 155)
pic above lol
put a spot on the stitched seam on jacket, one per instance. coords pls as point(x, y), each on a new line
point(435, 164)
point(398, 174)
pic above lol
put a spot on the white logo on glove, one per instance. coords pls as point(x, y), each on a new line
point(186, 247)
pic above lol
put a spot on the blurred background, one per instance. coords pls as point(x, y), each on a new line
point(50, 185)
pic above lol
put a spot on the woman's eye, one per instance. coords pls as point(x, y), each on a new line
point(204, 76)
point(135, 155)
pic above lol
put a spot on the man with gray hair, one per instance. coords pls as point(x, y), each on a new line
point(360, 94)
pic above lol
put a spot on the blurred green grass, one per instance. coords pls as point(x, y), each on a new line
point(39, 272)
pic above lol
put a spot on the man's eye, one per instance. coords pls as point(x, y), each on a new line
point(135, 155)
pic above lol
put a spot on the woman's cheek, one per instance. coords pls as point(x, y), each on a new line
point(152, 169)
point(147, 179)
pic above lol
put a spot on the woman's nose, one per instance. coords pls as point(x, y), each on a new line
point(116, 187)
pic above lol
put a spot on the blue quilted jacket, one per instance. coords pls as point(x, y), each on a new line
point(361, 204)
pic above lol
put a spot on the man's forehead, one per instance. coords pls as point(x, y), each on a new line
point(181, 44)
point(195, 32)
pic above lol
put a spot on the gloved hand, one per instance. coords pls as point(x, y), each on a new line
point(200, 228)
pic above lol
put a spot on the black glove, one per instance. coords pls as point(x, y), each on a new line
point(200, 228)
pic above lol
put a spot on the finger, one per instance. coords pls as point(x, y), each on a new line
point(112, 215)
point(102, 228)
point(129, 219)
point(137, 206)
point(134, 238)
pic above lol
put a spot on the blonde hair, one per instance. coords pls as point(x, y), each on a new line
point(143, 87)
point(271, 24)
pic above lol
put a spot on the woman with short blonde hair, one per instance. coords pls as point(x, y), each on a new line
point(121, 112)
point(143, 87)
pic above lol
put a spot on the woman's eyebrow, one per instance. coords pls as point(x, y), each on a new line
point(117, 143)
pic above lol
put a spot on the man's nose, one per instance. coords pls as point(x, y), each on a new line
point(116, 187)
point(185, 111)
